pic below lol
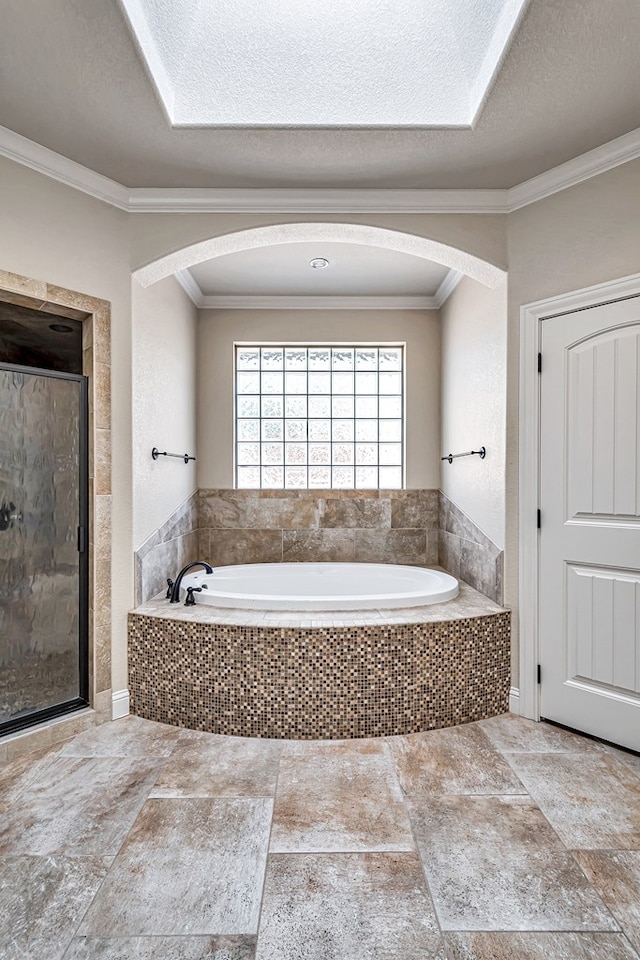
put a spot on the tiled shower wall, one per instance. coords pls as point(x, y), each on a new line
point(224, 526)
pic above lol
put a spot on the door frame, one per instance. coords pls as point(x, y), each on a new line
point(531, 317)
point(95, 315)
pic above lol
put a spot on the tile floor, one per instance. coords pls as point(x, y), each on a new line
point(498, 840)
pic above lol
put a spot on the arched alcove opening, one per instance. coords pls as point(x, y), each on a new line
point(418, 246)
point(427, 423)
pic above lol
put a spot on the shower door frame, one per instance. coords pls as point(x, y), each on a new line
point(82, 700)
point(95, 316)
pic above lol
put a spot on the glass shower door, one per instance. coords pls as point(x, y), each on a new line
point(43, 560)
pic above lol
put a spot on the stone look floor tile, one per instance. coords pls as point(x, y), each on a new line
point(42, 901)
point(458, 760)
point(333, 797)
point(162, 948)
point(206, 765)
point(17, 774)
point(187, 883)
point(538, 946)
point(494, 863)
point(189, 867)
point(366, 746)
point(591, 800)
point(78, 807)
point(129, 737)
point(347, 907)
point(512, 734)
point(616, 877)
point(630, 760)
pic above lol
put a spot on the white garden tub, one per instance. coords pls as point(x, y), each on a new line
point(321, 586)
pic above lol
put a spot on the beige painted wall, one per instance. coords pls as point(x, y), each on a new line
point(53, 233)
point(218, 329)
point(164, 322)
point(577, 238)
point(157, 234)
point(473, 400)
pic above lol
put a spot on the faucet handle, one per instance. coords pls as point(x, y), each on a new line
point(191, 600)
point(169, 587)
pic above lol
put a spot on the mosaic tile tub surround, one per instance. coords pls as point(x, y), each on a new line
point(405, 672)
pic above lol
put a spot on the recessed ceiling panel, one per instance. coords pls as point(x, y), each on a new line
point(373, 63)
point(284, 270)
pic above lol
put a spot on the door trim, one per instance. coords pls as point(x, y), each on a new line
point(531, 317)
point(95, 315)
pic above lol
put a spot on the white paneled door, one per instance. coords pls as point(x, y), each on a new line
point(590, 521)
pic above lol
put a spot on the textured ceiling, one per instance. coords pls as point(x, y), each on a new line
point(283, 63)
point(283, 270)
point(72, 79)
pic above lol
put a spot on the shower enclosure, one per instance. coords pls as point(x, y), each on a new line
point(43, 545)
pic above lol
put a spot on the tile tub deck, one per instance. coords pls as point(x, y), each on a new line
point(324, 676)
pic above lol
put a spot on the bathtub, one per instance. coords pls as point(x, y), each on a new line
point(314, 675)
point(321, 586)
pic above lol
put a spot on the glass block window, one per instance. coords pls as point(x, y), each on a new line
point(319, 416)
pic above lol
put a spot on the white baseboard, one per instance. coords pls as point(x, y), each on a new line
point(514, 700)
point(119, 704)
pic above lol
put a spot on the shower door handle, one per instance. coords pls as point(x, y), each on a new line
point(9, 515)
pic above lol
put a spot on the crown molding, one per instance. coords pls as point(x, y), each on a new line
point(60, 168)
point(570, 174)
point(244, 302)
point(323, 201)
point(188, 283)
point(446, 288)
point(312, 201)
point(316, 303)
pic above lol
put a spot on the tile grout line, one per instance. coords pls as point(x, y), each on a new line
point(268, 855)
point(417, 848)
point(610, 909)
point(108, 870)
point(598, 755)
point(559, 839)
point(569, 851)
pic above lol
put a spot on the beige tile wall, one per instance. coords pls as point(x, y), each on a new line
point(259, 526)
point(466, 552)
point(420, 527)
point(166, 551)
